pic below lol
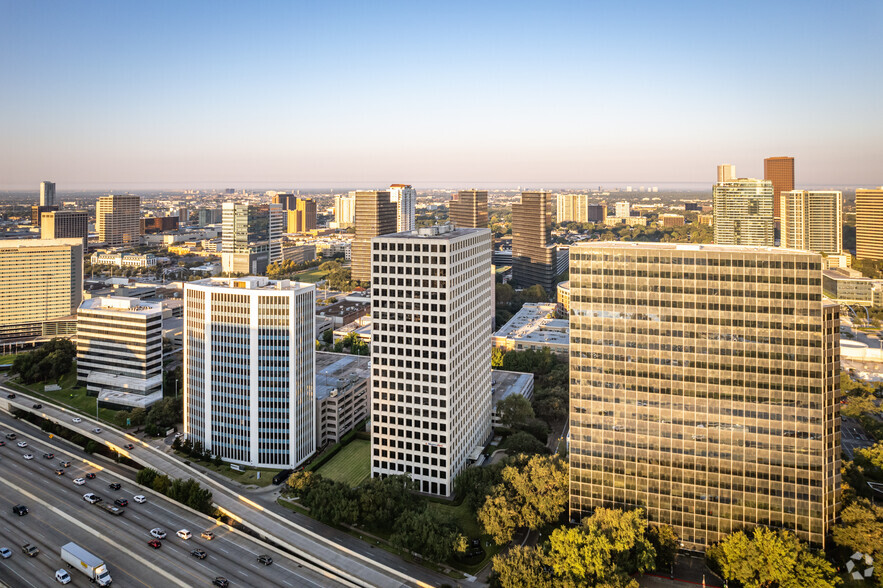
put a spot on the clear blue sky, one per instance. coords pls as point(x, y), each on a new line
point(123, 94)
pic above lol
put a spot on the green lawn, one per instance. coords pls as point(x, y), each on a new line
point(311, 277)
point(70, 395)
point(249, 476)
point(5, 359)
point(351, 465)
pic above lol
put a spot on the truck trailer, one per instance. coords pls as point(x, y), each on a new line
point(80, 559)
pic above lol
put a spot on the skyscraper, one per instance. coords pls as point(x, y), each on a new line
point(118, 219)
point(430, 353)
point(38, 211)
point(65, 224)
point(705, 388)
point(47, 193)
point(249, 369)
point(869, 223)
point(287, 201)
point(743, 212)
point(405, 198)
point(375, 215)
point(534, 258)
point(726, 172)
point(467, 209)
point(780, 171)
point(812, 220)
point(578, 208)
point(251, 238)
point(302, 217)
point(344, 210)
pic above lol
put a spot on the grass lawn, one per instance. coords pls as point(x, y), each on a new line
point(351, 465)
point(311, 277)
point(70, 395)
point(249, 476)
point(7, 359)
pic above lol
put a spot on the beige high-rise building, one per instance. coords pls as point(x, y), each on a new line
point(375, 214)
point(301, 217)
point(869, 223)
point(812, 220)
point(65, 224)
point(118, 219)
point(726, 172)
point(344, 210)
point(705, 388)
point(467, 209)
point(534, 257)
point(579, 208)
point(40, 280)
point(743, 213)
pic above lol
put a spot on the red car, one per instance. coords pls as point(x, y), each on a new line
point(154, 543)
point(90, 476)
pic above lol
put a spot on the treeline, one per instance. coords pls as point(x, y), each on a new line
point(50, 361)
point(157, 419)
point(188, 492)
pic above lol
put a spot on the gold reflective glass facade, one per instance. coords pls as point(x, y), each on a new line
point(704, 388)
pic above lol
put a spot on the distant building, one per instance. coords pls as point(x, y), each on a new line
point(342, 393)
point(564, 298)
point(47, 193)
point(743, 213)
point(779, 171)
point(210, 216)
point(405, 199)
point(812, 221)
point(299, 253)
point(344, 210)
point(726, 173)
point(869, 223)
point(37, 213)
point(578, 208)
point(849, 286)
point(119, 351)
point(467, 209)
point(623, 209)
point(287, 201)
point(65, 224)
point(302, 217)
point(345, 312)
point(533, 254)
point(375, 215)
point(159, 224)
point(692, 206)
point(118, 220)
point(251, 236)
point(535, 326)
point(671, 220)
point(123, 260)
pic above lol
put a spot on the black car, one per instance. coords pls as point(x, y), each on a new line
point(265, 559)
point(90, 476)
point(48, 455)
point(129, 446)
point(59, 472)
point(121, 502)
point(20, 509)
point(282, 476)
point(198, 553)
point(2, 443)
point(114, 486)
point(38, 406)
point(221, 581)
point(10, 395)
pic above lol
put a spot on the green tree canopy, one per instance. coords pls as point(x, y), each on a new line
point(424, 532)
point(514, 410)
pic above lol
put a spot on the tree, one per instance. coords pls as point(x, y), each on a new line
point(521, 442)
point(861, 529)
point(474, 484)
point(522, 566)
point(424, 532)
point(497, 357)
point(328, 337)
point(856, 406)
point(162, 483)
point(332, 502)
point(514, 410)
point(771, 559)
point(301, 482)
point(665, 541)
point(146, 476)
point(503, 294)
point(48, 362)
point(535, 293)
point(551, 408)
point(382, 501)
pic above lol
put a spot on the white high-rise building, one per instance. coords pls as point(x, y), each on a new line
point(743, 212)
point(430, 353)
point(249, 369)
point(345, 210)
point(623, 209)
point(405, 198)
point(726, 172)
point(47, 193)
point(812, 220)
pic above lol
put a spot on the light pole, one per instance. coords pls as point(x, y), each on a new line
point(176, 387)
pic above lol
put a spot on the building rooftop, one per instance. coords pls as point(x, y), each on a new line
point(842, 273)
point(748, 249)
point(251, 283)
point(344, 307)
point(24, 243)
point(122, 304)
point(507, 383)
point(534, 323)
point(337, 372)
point(438, 232)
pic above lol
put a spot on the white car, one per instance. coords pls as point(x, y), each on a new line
point(157, 533)
point(91, 498)
point(77, 420)
point(184, 534)
point(22, 443)
point(140, 499)
point(79, 481)
point(62, 576)
point(96, 430)
point(28, 456)
point(5, 552)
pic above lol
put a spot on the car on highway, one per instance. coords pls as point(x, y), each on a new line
point(207, 535)
point(38, 406)
point(265, 559)
point(10, 436)
point(10, 395)
point(59, 472)
point(48, 455)
point(90, 475)
point(62, 576)
point(157, 533)
point(28, 456)
point(154, 543)
point(91, 498)
point(198, 553)
point(221, 581)
point(96, 430)
point(114, 486)
point(121, 502)
point(22, 444)
point(65, 464)
point(79, 481)
point(5, 552)
point(20, 509)
point(77, 420)
point(140, 499)
point(184, 534)
point(129, 446)
point(2, 443)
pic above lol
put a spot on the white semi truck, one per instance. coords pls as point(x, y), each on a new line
point(82, 560)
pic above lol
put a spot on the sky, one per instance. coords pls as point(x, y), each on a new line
point(123, 95)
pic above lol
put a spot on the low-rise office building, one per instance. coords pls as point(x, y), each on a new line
point(504, 384)
point(535, 327)
point(849, 286)
point(123, 260)
point(341, 393)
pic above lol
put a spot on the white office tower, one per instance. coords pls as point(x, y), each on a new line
point(344, 210)
point(119, 351)
point(405, 198)
point(249, 376)
point(812, 220)
point(623, 209)
point(47, 193)
point(430, 353)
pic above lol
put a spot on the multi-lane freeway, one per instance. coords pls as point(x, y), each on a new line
point(58, 514)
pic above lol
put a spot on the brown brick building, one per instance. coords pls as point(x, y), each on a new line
point(780, 171)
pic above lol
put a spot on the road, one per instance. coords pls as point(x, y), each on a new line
point(853, 436)
point(58, 514)
point(356, 564)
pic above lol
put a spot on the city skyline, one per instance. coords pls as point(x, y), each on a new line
point(191, 94)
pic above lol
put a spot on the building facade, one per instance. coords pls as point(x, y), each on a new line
point(249, 370)
point(342, 391)
point(726, 172)
point(302, 217)
point(118, 219)
point(743, 213)
point(579, 208)
point(47, 193)
point(344, 210)
point(467, 209)
point(430, 353)
point(623, 209)
point(405, 198)
point(37, 213)
point(779, 171)
point(65, 224)
point(375, 215)
point(705, 388)
point(123, 260)
point(251, 237)
point(812, 221)
point(534, 258)
point(119, 351)
point(869, 223)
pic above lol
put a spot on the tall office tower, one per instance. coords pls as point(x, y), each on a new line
point(37, 213)
point(743, 212)
point(119, 351)
point(705, 388)
point(286, 200)
point(780, 171)
point(467, 209)
point(251, 237)
point(726, 172)
point(432, 361)
point(249, 369)
point(40, 280)
point(812, 220)
point(47, 193)
point(344, 210)
point(118, 219)
point(534, 258)
point(375, 215)
point(302, 217)
point(577, 208)
point(869, 223)
point(405, 198)
point(210, 216)
point(623, 209)
point(65, 224)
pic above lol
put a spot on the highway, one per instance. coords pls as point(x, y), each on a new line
point(58, 514)
point(354, 565)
